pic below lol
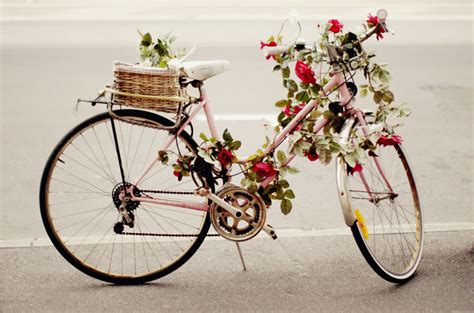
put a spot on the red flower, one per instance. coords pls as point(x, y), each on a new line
point(263, 169)
point(270, 44)
point(178, 174)
point(336, 26)
point(356, 168)
point(305, 73)
point(393, 140)
point(311, 155)
point(292, 111)
point(373, 21)
point(225, 157)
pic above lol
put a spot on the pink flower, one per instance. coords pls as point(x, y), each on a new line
point(336, 26)
point(263, 169)
point(393, 140)
point(225, 157)
point(373, 21)
point(292, 111)
point(305, 73)
point(270, 44)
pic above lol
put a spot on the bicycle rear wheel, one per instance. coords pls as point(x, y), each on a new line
point(80, 182)
point(389, 223)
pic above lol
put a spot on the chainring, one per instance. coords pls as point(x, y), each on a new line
point(238, 228)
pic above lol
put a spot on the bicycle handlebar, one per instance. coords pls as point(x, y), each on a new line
point(272, 51)
point(281, 49)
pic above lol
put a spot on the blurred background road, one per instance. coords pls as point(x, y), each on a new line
point(53, 52)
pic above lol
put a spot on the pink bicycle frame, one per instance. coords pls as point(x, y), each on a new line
point(345, 97)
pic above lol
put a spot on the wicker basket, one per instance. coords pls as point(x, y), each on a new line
point(147, 88)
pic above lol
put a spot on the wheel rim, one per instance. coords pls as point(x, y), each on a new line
point(392, 219)
point(81, 215)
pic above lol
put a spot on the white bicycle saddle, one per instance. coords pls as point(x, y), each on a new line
point(202, 70)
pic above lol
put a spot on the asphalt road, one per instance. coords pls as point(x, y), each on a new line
point(310, 274)
point(39, 86)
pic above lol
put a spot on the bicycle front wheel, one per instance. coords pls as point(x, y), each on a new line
point(80, 186)
point(384, 199)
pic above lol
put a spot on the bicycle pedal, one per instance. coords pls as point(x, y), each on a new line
point(270, 231)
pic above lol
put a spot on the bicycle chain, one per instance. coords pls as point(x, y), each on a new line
point(169, 192)
point(167, 235)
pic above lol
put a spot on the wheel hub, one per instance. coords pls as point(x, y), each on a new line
point(121, 196)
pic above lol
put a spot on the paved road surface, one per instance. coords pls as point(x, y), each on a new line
point(310, 274)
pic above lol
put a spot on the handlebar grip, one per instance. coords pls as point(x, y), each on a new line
point(271, 51)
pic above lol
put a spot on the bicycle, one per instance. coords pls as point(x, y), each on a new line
point(116, 212)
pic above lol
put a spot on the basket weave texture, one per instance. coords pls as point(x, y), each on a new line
point(147, 81)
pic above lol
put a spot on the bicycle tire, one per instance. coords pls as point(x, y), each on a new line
point(158, 248)
point(389, 236)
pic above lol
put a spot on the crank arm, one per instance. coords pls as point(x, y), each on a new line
point(270, 231)
point(235, 212)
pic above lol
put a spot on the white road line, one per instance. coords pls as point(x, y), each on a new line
point(282, 233)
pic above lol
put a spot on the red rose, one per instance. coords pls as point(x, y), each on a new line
point(305, 73)
point(292, 111)
point(263, 169)
point(312, 155)
point(270, 44)
point(373, 21)
point(225, 157)
point(393, 140)
point(336, 26)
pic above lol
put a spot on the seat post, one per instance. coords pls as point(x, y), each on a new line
point(207, 110)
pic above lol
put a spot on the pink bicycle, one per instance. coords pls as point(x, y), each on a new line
point(116, 211)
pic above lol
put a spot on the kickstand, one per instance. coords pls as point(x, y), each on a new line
point(241, 256)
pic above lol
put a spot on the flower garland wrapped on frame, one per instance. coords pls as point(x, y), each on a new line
point(302, 141)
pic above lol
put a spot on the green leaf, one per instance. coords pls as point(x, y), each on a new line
point(285, 72)
point(281, 156)
point(315, 114)
point(245, 182)
point(203, 137)
point(328, 115)
point(289, 194)
point(236, 145)
point(277, 68)
point(282, 103)
point(378, 97)
point(292, 170)
point(286, 206)
point(315, 89)
point(252, 187)
point(284, 183)
point(292, 86)
point(146, 40)
point(388, 97)
point(302, 96)
point(325, 156)
point(252, 157)
point(226, 135)
point(251, 175)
